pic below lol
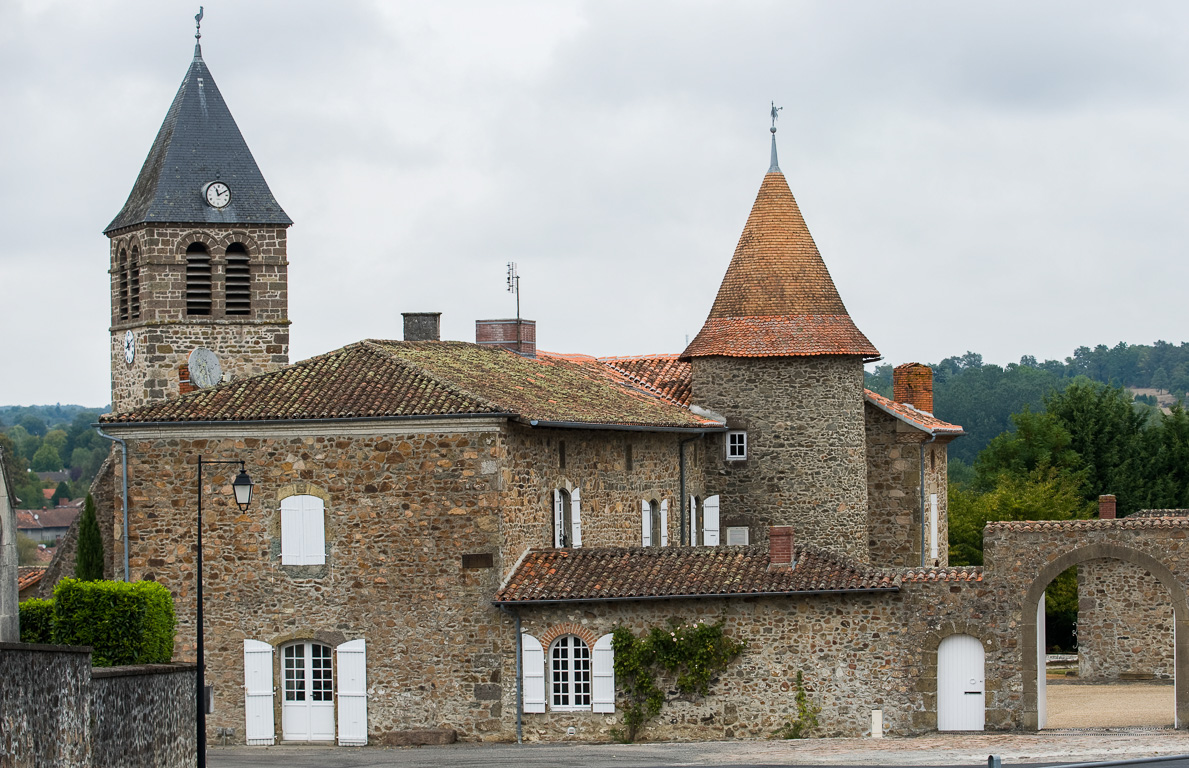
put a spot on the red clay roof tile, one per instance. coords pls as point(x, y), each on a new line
point(919, 419)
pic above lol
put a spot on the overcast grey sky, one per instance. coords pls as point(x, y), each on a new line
point(1008, 177)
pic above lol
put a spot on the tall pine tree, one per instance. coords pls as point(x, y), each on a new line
point(88, 563)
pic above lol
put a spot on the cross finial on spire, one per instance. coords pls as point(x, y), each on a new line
point(774, 167)
point(198, 34)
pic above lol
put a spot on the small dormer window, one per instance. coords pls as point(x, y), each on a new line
point(736, 446)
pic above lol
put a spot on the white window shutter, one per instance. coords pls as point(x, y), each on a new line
point(693, 522)
point(352, 657)
point(292, 527)
point(575, 518)
point(258, 685)
point(710, 521)
point(602, 678)
point(645, 523)
point(558, 518)
point(532, 669)
point(664, 522)
point(314, 536)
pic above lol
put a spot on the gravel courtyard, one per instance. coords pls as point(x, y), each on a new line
point(1111, 706)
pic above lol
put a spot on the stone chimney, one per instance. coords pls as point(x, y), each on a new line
point(422, 326)
point(519, 336)
point(780, 545)
point(1106, 507)
point(912, 383)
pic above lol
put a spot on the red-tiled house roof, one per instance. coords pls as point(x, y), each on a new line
point(925, 422)
point(642, 573)
point(377, 379)
point(666, 375)
point(777, 297)
point(28, 576)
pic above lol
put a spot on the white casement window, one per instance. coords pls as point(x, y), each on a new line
point(569, 673)
point(710, 521)
point(654, 523)
point(307, 708)
point(303, 531)
point(567, 518)
point(736, 446)
point(737, 535)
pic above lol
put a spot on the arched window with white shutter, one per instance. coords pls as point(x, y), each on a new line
point(567, 518)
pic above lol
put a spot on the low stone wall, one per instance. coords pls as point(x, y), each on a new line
point(45, 706)
point(58, 712)
point(143, 716)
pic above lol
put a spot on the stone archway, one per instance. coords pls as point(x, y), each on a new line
point(1028, 624)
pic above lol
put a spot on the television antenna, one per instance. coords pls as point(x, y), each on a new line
point(514, 287)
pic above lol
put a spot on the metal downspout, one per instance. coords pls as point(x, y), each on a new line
point(519, 675)
point(124, 462)
point(685, 541)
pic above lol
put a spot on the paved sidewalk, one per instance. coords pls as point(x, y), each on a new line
point(934, 750)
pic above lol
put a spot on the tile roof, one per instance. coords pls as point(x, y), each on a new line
point(376, 378)
point(956, 573)
point(1131, 522)
point(777, 297)
point(26, 520)
point(640, 573)
point(665, 375)
point(199, 142)
point(1150, 513)
point(926, 422)
point(28, 575)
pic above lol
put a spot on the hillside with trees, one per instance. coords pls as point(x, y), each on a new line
point(51, 438)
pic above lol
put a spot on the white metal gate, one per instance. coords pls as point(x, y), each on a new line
point(961, 698)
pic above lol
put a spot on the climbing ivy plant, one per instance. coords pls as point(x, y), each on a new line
point(691, 655)
point(802, 724)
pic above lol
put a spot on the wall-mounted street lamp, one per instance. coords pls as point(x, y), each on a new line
point(242, 487)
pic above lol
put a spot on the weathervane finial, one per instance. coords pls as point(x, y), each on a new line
point(774, 167)
point(198, 24)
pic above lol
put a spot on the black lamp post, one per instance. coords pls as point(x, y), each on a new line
point(242, 486)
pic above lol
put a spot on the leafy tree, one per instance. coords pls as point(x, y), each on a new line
point(34, 425)
point(1160, 380)
point(88, 564)
point(61, 493)
point(46, 459)
point(1038, 440)
point(26, 550)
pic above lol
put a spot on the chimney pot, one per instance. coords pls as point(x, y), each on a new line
point(1106, 507)
point(780, 545)
point(912, 383)
point(422, 326)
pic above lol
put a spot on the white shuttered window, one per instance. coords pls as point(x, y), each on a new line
point(710, 521)
point(303, 531)
point(645, 523)
point(532, 672)
point(664, 522)
point(603, 675)
point(575, 518)
point(259, 727)
point(352, 693)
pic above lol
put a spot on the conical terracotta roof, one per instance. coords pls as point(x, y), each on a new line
point(777, 298)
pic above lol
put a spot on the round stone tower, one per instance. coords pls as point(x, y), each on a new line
point(782, 361)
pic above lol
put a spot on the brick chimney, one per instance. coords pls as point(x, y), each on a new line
point(184, 384)
point(519, 336)
point(912, 383)
point(780, 545)
point(422, 326)
point(1106, 507)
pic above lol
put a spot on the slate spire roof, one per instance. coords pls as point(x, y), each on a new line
point(199, 142)
point(777, 298)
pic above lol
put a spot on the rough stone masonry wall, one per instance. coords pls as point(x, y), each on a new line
point(45, 706)
point(857, 652)
point(1125, 623)
point(401, 511)
point(894, 495)
point(246, 345)
point(143, 716)
point(596, 462)
point(108, 513)
point(807, 463)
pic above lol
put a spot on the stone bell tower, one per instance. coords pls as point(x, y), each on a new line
point(198, 257)
point(782, 360)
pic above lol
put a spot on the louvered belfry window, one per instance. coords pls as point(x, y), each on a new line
point(122, 278)
point(198, 280)
point(134, 284)
point(239, 281)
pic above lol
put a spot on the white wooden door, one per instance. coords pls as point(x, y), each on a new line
point(352, 657)
point(259, 727)
point(961, 698)
point(307, 711)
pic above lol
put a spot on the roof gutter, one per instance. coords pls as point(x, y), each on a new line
point(796, 593)
point(616, 427)
point(285, 422)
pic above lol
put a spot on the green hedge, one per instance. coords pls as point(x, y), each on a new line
point(37, 621)
point(123, 623)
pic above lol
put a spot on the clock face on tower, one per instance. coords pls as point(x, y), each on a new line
point(129, 347)
point(218, 194)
